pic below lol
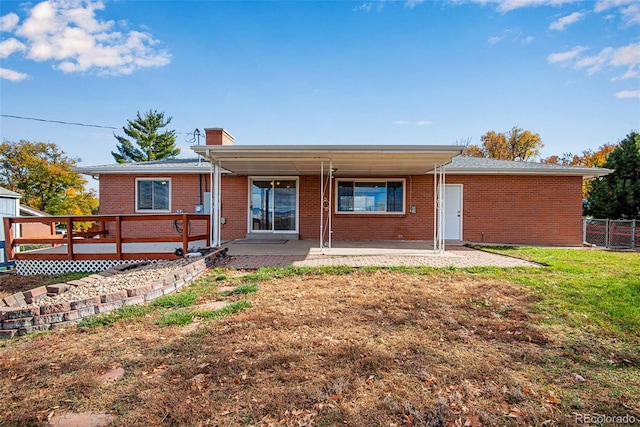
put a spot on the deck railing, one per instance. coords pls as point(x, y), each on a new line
point(107, 231)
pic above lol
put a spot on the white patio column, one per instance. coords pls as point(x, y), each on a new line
point(211, 234)
point(438, 209)
point(215, 219)
point(330, 204)
point(321, 205)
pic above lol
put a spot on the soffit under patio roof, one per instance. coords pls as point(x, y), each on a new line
point(350, 160)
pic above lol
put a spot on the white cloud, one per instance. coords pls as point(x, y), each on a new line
point(402, 122)
point(562, 23)
point(9, 46)
point(424, 123)
point(563, 57)
point(596, 62)
point(628, 94)
point(528, 40)
point(494, 39)
point(12, 75)
point(609, 57)
point(627, 56)
point(364, 7)
point(629, 9)
point(8, 22)
point(413, 3)
point(68, 33)
point(509, 5)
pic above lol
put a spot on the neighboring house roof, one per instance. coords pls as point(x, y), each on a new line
point(8, 193)
point(29, 211)
point(481, 166)
point(174, 166)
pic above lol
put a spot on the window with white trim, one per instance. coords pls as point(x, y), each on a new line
point(153, 195)
point(370, 196)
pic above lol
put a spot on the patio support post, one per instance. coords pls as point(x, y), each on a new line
point(216, 204)
point(438, 208)
point(211, 241)
point(321, 203)
point(329, 213)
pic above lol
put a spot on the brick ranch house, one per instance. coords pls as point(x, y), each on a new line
point(355, 192)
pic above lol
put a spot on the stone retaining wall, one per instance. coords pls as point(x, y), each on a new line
point(17, 318)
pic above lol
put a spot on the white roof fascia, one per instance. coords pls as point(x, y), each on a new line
point(165, 169)
point(317, 152)
point(569, 171)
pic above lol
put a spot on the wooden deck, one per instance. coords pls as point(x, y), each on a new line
point(103, 237)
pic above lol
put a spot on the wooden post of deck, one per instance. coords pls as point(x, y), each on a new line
point(118, 237)
point(69, 238)
point(185, 233)
point(9, 250)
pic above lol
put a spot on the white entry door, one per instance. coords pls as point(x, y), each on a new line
point(453, 212)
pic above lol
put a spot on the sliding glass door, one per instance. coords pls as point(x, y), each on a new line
point(273, 205)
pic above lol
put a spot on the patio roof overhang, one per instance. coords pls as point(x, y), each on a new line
point(346, 160)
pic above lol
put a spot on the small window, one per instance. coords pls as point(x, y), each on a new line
point(370, 196)
point(153, 194)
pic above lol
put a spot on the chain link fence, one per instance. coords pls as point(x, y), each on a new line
point(612, 234)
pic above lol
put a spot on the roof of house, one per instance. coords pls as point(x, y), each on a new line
point(358, 159)
point(481, 166)
point(174, 166)
point(8, 193)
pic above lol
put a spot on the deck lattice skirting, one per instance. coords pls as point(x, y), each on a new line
point(18, 318)
point(50, 267)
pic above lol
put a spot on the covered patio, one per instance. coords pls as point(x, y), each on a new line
point(361, 173)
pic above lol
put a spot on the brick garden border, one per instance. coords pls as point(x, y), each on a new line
point(17, 318)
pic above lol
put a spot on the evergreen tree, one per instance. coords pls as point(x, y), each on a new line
point(151, 145)
point(617, 195)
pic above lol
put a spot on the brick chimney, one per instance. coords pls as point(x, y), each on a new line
point(218, 136)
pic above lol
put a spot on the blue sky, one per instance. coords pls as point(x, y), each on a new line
point(388, 72)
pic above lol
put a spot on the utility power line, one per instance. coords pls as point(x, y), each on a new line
point(57, 121)
point(60, 122)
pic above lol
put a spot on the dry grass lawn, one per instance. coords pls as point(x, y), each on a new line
point(370, 348)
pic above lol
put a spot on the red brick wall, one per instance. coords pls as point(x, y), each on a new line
point(521, 209)
point(117, 196)
point(233, 207)
point(497, 209)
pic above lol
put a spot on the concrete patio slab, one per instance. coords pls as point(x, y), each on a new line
point(362, 254)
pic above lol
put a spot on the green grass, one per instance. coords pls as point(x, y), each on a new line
point(181, 299)
point(268, 273)
point(175, 318)
point(228, 310)
point(184, 317)
point(594, 289)
point(129, 312)
point(244, 289)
